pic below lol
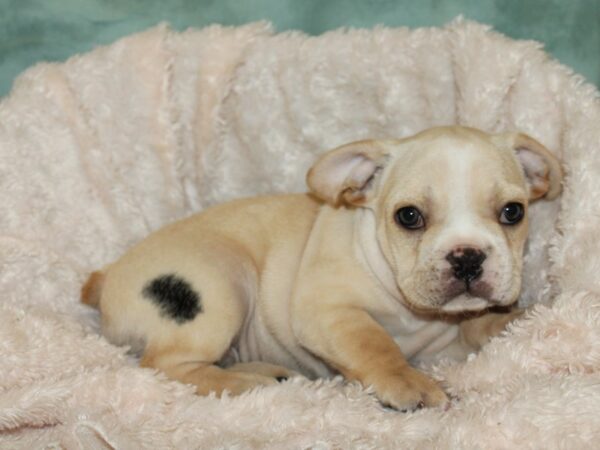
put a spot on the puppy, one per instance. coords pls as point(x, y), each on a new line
point(370, 270)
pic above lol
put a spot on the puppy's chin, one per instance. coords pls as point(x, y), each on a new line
point(461, 303)
point(465, 302)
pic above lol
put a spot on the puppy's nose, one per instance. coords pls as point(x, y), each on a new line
point(466, 263)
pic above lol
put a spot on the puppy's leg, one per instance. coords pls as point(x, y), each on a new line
point(205, 377)
point(477, 332)
point(352, 342)
point(270, 370)
point(189, 352)
point(193, 315)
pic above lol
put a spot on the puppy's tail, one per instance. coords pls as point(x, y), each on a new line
point(92, 289)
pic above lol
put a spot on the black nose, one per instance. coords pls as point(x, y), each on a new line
point(466, 263)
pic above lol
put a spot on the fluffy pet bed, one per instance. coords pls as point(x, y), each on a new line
point(99, 151)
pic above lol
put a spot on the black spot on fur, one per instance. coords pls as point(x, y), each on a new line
point(174, 296)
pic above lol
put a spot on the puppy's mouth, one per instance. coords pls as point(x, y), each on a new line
point(465, 302)
point(462, 302)
point(457, 298)
point(467, 296)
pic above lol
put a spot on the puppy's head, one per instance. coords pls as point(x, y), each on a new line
point(450, 207)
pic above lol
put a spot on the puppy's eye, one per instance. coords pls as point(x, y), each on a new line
point(409, 217)
point(512, 213)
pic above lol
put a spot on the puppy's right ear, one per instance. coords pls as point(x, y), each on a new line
point(346, 173)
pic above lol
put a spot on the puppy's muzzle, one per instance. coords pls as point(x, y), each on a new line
point(466, 263)
point(465, 286)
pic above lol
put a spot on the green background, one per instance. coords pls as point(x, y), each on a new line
point(35, 30)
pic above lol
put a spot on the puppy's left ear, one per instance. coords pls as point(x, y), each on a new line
point(346, 174)
point(542, 169)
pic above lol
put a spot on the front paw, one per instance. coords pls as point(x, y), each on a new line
point(502, 320)
point(408, 389)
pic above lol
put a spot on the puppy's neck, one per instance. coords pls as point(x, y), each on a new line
point(369, 252)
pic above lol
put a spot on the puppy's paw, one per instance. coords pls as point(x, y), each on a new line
point(408, 390)
point(243, 382)
point(475, 333)
point(502, 320)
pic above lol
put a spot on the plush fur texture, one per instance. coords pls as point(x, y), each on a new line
point(101, 150)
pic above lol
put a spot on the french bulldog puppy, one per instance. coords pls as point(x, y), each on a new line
point(374, 268)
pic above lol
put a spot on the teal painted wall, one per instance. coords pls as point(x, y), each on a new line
point(35, 30)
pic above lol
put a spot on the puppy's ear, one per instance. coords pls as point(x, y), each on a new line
point(346, 174)
point(542, 169)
